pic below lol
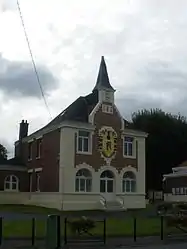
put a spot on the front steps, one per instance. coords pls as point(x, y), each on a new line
point(114, 205)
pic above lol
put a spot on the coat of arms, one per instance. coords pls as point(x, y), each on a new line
point(107, 142)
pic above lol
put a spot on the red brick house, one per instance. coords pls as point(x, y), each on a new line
point(85, 158)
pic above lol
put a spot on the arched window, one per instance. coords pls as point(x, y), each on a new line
point(83, 181)
point(11, 183)
point(129, 182)
point(107, 182)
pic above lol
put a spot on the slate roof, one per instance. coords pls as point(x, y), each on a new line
point(103, 79)
point(13, 161)
point(79, 110)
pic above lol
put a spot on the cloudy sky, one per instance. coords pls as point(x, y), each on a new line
point(144, 44)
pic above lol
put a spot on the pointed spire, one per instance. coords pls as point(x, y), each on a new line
point(103, 79)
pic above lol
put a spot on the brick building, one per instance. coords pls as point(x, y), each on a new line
point(85, 158)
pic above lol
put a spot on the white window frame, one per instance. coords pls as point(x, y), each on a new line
point(130, 181)
point(185, 191)
point(89, 152)
point(108, 97)
point(107, 109)
point(30, 181)
point(38, 147)
point(38, 181)
point(177, 191)
point(85, 179)
point(30, 148)
point(9, 180)
point(133, 147)
point(173, 191)
point(181, 190)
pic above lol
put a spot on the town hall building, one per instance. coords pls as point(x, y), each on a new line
point(86, 158)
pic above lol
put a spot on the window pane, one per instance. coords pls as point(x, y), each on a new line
point(127, 186)
point(125, 149)
point(80, 144)
point(14, 179)
point(7, 185)
point(77, 185)
point(173, 191)
point(14, 186)
point(88, 185)
point(102, 186)
point(110, 186)
point(83, 133)
point(185, 191)
point(129, 149)
point(129, 139)
point(182, 191)
point(82, 184)
point(85, 144)
point(177, 191)
point(107, 173)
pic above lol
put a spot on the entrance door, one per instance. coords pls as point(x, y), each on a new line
point(107, 185)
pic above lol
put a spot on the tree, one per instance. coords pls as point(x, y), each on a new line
point(166, 145)
point(3, 153)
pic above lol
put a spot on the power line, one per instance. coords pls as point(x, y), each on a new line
point(32, 59)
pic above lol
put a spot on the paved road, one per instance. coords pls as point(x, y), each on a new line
point(171, 246)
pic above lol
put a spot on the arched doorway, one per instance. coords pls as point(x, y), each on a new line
point(107, 184)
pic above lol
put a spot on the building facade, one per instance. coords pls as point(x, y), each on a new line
point(88, 157)
point(175, 184)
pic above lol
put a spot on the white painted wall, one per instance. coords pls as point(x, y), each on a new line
point(11, 197)
point(141, 165)
point(67, 156)
point(50, 200)
point(175, 198)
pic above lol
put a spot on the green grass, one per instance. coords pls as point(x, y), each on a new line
point(27, 209)
point(114, 226)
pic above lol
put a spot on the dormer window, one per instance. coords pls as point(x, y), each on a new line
point(107, 108)
point(107, 96)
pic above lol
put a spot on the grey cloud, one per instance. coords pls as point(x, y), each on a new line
point(146, 56)
point(19, 79)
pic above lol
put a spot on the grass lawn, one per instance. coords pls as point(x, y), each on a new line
point(114, 226)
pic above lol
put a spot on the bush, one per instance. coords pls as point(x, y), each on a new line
point(164, 207)
point(81, 226)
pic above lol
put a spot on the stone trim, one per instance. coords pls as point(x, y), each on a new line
point(13, 168)
point(110, 168)
point(94, 111)
point(42, 131)
point(84, 166)
point(128, 168)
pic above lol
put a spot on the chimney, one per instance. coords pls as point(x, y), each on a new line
point(23, 129)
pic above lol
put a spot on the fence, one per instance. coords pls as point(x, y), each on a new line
point(58, 232)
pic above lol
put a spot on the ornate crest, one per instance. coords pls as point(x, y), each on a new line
point(107, 143)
